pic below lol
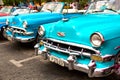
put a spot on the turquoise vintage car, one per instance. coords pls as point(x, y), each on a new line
point(23, 28)
point(88, 43)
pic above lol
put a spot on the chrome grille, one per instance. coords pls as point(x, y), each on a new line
point(17, 30)
point(68, 48)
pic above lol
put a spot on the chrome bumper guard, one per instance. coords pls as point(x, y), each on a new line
point(71, 64)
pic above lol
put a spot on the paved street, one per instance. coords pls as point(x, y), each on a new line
point(18, 62)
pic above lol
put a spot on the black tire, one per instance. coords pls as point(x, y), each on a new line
point(2, 34)
point(36, 40)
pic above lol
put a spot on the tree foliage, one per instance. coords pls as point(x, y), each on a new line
point(16, 2)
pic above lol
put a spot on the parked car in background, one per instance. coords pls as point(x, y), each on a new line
point(4, 20)
point(6, 10)
point(23, 28)
point(88, 43)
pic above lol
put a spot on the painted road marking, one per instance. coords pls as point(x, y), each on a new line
point(18, 63)
point(4, 43)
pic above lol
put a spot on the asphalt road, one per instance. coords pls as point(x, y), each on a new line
point(18, 62)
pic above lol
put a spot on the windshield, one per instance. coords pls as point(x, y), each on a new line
point(52, 7)
point(5, 10)
point(104, 6)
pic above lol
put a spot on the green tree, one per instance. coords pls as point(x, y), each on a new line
point(12, 2)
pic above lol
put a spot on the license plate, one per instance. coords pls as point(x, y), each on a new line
point(57, 60)
point(96, 58)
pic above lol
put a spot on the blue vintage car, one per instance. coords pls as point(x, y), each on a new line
point(4, 19)
point(88, 43)
point(23, 28)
